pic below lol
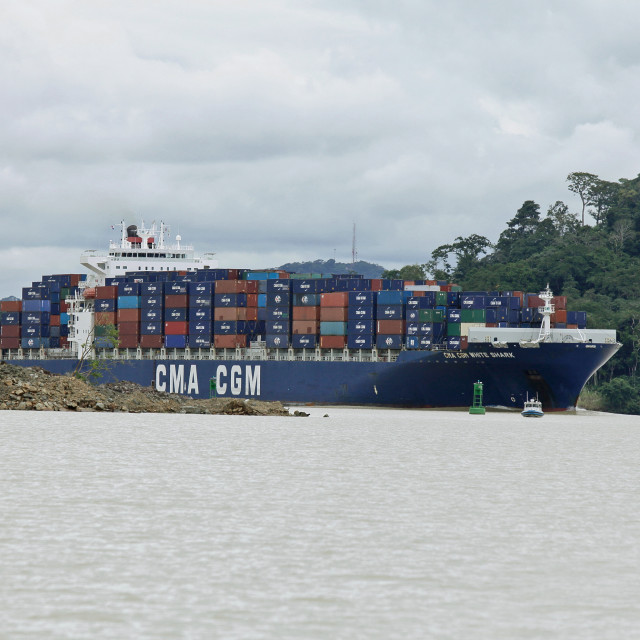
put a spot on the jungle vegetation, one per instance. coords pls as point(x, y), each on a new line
point(591, 256)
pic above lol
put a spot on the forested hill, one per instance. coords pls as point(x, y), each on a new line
point(592, 256)
point(366, 269)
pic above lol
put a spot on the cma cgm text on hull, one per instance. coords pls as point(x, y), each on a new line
point(186, 326)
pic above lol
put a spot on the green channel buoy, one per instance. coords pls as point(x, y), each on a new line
point(477, 408)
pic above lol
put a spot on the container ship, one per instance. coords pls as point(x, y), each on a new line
point(156, 313)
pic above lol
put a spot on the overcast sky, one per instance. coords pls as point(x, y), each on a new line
point(264, 129)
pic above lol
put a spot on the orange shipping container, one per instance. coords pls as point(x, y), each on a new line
point(11, 305)
point(151, 342)
point(128, 329)
point(105, 317)
point(560, 302)
point(559, 316)
point(107, 293)
point(334, 314)
point(128, 341)
point(335, 299)
point(176, 301)
point(376, 284)
point(128, 315)
point(236, 286)
point(306, 313)
point(54, 320)
point(229, 341)
point(176, 328)
point(304, 326)
point(333, 342)
point(391, 326)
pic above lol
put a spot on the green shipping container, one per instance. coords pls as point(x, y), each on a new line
point(453, 329)
point(441, 298)
point(431, 315)
point(473, 315)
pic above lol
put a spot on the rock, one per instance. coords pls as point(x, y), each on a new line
point(26, 388)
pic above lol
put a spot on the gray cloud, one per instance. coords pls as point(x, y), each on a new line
point(264, 131)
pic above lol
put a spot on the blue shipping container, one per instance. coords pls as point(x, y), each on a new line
point(152, 288)
point(390, 312)
point(277, 341)
point(277, 326)
point(304, 341)
point(361, 313)
point(151, 328)
point(152, 302)
point(175, 342)
point(200, 341)
point(175, 314)
point(361, 326)
point(389, 341)
point(152, 315)
point(128, 302)
point(200, 313)
point(278, 299)
point(360, 341)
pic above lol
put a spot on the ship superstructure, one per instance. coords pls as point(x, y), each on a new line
point(144, 249)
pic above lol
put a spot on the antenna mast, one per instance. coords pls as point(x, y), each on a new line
point(354, 252)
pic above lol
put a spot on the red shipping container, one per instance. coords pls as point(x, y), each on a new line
point(128, 315)
point(334, 314)
point(229, 313)
point(11, 305)
point(252, 300)
point(391, 326)
point(304, 326)
point(229, 341)
point(306, 313)
point(151, 342)
point(107, 293)
point(75, 279)
point(464, 342)
point(10, 330)
point(176, 301)
point(9, 343)
point(234, 274)
point(333, 342)
point(64, 341)
point(236, 286)
point(335, 299)
point(64, 307)
point(376, 284)
point(572, 326)
point(128, 342)
point(105, 317)
point(560, 302)
point(128, 328)
point(559, 316)
point(535, 302)
point(176, 328)
point(54, 320)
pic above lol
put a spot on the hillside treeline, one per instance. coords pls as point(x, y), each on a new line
point(592, 257)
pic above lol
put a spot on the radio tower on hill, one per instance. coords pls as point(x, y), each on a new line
point(354, 252)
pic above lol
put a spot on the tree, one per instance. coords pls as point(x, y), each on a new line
point(514, 242)
point(563, 221)
point(103, 336)
point(583, 184)
point(602, 197)
point(408, 272)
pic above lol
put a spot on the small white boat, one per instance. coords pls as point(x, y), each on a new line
point(532, 408)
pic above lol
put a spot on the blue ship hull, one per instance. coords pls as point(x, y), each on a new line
point(556, 373)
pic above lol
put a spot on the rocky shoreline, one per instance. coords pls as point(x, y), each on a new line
point(34, 389)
